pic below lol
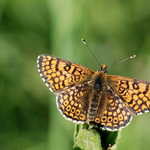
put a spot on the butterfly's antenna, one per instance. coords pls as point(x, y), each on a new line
point(91, 52)
point(133, 56)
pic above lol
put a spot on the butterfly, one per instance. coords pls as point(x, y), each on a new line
point(94, 97)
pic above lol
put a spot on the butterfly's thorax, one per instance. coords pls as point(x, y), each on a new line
point(97, 98)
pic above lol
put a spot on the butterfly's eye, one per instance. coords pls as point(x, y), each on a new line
point(105, 71)
point(103, 68)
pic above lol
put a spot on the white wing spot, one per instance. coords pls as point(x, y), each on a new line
point(43, 79)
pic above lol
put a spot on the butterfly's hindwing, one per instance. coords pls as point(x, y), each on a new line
point(74, 102)
point(116, 115)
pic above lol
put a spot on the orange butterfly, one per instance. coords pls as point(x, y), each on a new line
point(94, 97)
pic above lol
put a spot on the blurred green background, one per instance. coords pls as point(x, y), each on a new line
point(114, 30)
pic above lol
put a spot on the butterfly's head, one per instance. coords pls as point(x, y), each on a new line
point(103, 68)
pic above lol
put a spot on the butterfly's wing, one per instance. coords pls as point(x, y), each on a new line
point(60, 75)
point(135, 94)
point(116, 115)
point(74, 102)
point(71, 83)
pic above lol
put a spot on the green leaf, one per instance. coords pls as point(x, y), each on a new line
point(93, 138)
point(87, 139)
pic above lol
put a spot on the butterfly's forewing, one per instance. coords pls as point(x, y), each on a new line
point(59, 74)
point(135, 94)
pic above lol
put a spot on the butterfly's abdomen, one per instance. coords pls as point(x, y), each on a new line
point(93, 106)
point(98, 86)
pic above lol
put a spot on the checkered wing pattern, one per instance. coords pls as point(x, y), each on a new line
point(74, 102)
point(59, 74)
point(116, 115)
point(135, 94)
